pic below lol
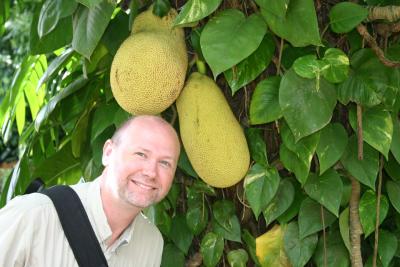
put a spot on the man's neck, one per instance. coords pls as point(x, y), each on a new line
point(119, 214)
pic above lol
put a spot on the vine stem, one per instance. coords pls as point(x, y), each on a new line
point(355, 225)
point(378, 209)
point(278, 71)
point(324, 236)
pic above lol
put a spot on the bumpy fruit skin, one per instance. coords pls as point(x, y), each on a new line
point(148, 71)
point(212, 137)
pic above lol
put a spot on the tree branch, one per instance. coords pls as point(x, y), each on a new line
point(389, 13)
point(355, 225)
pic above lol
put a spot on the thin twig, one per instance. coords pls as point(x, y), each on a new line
point(362, 30)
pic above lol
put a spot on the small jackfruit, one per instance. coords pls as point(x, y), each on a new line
point(212, 137)
point(148, 71)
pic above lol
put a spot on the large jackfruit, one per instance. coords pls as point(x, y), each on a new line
point(149, 68)
point(212, 137)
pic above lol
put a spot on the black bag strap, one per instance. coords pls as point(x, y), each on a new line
point(77, 227)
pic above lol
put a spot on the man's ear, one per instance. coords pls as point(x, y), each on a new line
point(107, 150)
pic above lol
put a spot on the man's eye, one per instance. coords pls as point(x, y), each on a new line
point(140, 154)
point(165, 163)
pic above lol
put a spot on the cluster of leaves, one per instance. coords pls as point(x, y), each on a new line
point(307, 87)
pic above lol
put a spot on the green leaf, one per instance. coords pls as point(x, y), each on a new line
point(264, 105)
point(248, 69)
point(344, 225)
point(346, 16)
point(310, 218)
point(89, 26)
point(377, 128)
point(20, 107)
point(195, 10)
point(393, 190)
point(332, 143)
point(370, 82)
point(294, 20)
point(45, 111)
point(230, 37)
point(307, 66)
point(238, 258)
point(180, 233)
point(336, 253)
point(60, 36)
point(250, 242)
point(103, 117)
point(161, 7)
point(80, 134)
point(51, 12)
point(299, 250)
point(392, 168)
point(364, 170)
point(197, 218)
point(305, 119)
point(281, 201)
point(395, 146)
point(260, 186)
point(159, 216)
point(367, 211)
point(294, 208)
point(111, 38)
point(55, 65)
point(225, 222)
point(327, 189)
point(303, 152)
point(211, 248)
point(257, 146)
point(89, 3)
point(172, 256)
point(185, 165)
point(337, 65)
point(387, 247)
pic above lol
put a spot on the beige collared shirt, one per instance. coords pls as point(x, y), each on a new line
point(31, 234)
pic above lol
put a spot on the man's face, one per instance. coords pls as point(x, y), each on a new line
point(140, 165)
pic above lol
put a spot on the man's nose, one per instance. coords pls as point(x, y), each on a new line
point(150, 168)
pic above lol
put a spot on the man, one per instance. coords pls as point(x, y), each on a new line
point(140, 161)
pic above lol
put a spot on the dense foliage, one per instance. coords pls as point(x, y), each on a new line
point(315, 85)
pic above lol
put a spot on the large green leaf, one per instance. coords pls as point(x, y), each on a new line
point(327, 189)
point(211, 249)
point(387, 247)
point(197, 212)
point(260, 186)
point(393, 191)
point(344, 227)
point(299, 250)
point(281, 202)
point(264, 105)
point(395, 146)
point(195, 10)
point(250, 242)
point(238, 258)
point(225, 222)
point(89, 26)
point(247, 70)
point(89, 3)
point(367, 211)
point(172, 256)
point(294, 20)
point(303, 151)
point(310, 218)
point(305, 108)
point(111, 38)
point(336, 253)
point(370, 82)
point(60, 36)
point(180, 233)
point(392, 168)
point(377, 128)
point(294, 208)
point(257, 146)
point(4, 14)
point(332, 143)
point(51, 12)
point(364, 170)
point(346, 16)
point(46, 110)
point(230, 37)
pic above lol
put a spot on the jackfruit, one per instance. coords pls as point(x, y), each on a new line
point(212, 137)
point(148, 71)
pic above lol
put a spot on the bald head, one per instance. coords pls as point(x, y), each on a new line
point(146, 120)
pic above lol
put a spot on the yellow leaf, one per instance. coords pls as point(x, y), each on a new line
point(269, 248)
